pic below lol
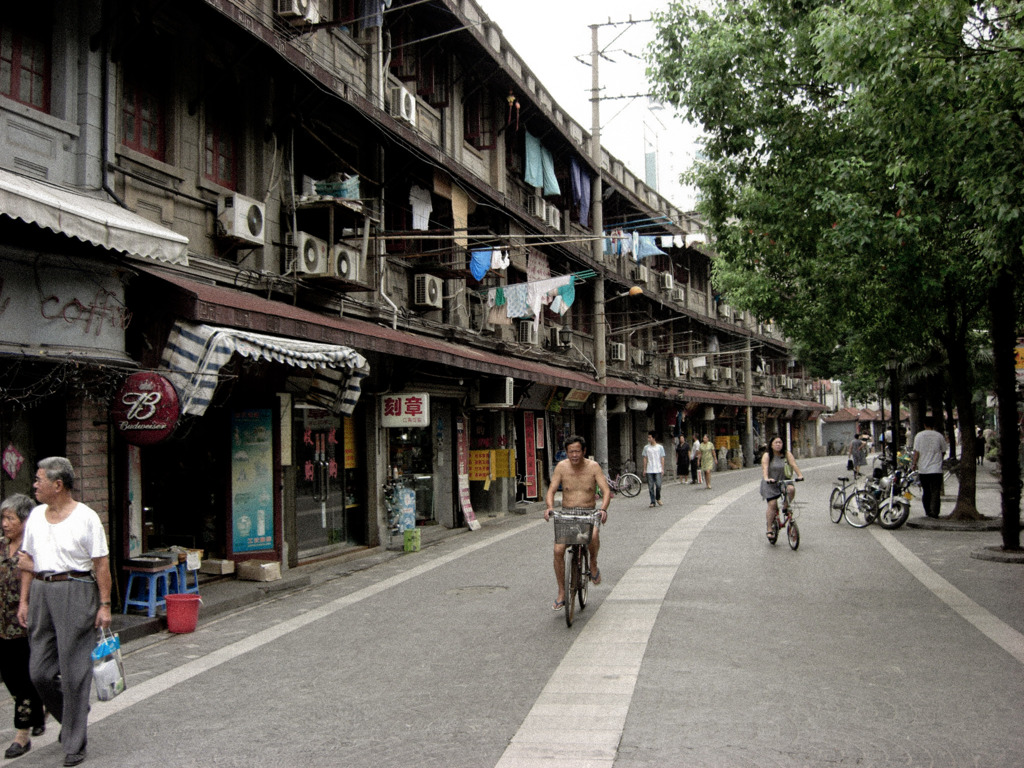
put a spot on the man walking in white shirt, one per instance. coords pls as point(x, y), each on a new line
point(929, 448)
point(654, 466)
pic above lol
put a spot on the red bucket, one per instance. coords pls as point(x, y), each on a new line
point(182, 612)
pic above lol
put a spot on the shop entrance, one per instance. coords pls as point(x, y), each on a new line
point(411, 460)
point(329, 506)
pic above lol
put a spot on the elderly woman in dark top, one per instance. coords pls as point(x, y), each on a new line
point(28, 706)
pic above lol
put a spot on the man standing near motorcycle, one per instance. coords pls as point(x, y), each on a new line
point(929, 448)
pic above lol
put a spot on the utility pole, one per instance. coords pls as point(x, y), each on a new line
point(597, 220)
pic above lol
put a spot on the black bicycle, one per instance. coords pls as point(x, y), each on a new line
point(575, 531)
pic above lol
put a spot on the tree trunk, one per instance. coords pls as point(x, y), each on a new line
point(961, 382)
point(1002, 302)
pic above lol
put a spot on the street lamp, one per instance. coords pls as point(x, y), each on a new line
point(565, 336)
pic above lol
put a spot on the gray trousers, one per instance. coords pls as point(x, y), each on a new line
point(61, 619)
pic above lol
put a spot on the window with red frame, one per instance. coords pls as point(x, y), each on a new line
point(143, 119)
point(220, 151)
point(24, 65)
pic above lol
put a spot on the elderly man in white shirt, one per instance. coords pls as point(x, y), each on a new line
point(929, 449)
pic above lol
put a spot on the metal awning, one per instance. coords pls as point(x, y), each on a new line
point(195, 353)
point(89, 219)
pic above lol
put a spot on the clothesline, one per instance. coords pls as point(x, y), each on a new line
point(580, 276)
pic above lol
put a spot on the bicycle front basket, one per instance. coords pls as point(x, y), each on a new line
point(573, 530)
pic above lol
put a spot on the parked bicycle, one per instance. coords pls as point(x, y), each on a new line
point(885, 497)
point(841, 491)
point(575, 531)
point(785, 516)
point(628, 484)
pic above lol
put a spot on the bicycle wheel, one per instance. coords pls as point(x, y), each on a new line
point(629, 485)
point(835, 505)
point(860, 509)
point(572, 580)
point(793, 533)
point(584, 578)
point(893, 513)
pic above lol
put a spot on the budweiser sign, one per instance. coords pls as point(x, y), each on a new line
point(146, 409)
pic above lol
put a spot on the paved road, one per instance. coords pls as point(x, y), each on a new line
point(704, 646)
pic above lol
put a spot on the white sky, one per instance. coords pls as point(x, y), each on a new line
point(550, 34)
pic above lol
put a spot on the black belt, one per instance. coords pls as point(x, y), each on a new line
point(62, 576)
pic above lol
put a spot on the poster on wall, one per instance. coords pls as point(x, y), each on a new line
point(530, 455)
point(462, 460)
point(252, 480)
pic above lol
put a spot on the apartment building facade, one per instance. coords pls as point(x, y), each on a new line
point(262, 258)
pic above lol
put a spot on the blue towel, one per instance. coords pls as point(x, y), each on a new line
point(534, 175)
point(480, 262)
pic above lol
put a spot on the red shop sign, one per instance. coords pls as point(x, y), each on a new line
point(145, 409)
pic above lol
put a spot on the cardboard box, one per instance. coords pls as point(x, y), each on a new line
point(258, 570)
point(217, 567)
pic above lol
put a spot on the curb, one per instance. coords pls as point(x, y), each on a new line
point(946, 524)
point(997, 554)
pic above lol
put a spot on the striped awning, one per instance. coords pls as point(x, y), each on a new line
point(195, 353)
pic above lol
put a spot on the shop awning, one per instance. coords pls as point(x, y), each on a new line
point(195, 353)
point(89, 219)
point(725, 398)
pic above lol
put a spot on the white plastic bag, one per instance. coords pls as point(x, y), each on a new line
point(107, 666)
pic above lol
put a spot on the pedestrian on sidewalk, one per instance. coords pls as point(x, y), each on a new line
point(65, 598)
point(654, 466)
point(682, 458)
point(929, 448)
point(858, 455)
point(708, 458)
point(696, 477)
point(29, 715)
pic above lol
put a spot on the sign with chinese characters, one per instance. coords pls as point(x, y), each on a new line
point(462, 462)
point(252, 480)
point(529, 455)
point(145, 409)
point(405, 410)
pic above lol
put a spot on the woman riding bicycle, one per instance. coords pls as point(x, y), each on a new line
point(773, 472)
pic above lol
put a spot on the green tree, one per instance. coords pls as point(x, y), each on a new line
point(832, 180)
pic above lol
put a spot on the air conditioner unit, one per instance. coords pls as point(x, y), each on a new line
point(346, 262)
point(727, 373)
point(617, 352)
point(537, 206)
point(553, 217)
point(638, 357)
point(677, 367)
point(723, 309)
point(298, 11)
point(713, 374)
point(242, 218)
point(679, 295)
point(309, 254)
point(526, 333)
point(640, 274)
point(665, 281)
point(556, 342)
point(403, 104)
point(428, 292)
point(496, 393)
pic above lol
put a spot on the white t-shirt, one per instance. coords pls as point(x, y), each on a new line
point(655, 455)
point(70, 545)
point(930, 446)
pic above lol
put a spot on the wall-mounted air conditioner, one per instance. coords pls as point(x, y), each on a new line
point(727, 373)
point(347, 262)
point(679, 295)
point(553, 217)
point(713, 374)
point(403, 104)
point(307, 254)
point(242, 218)
point(526, 332)
point(428, 291)
point(537, 206)
point(640, 274)
point(298, 11)
point(555, 339)
point(665, 281)
point(639, 357)
point(496, 393)
point(617, 352)
point(677, 367)
point(724, 310)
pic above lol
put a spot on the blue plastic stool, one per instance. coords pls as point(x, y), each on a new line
point(180, 582)
point(156, 584)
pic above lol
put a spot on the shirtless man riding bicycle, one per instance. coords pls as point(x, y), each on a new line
point(578, 477)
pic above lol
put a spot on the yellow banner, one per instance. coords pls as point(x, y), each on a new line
point(505, 463)
point(481, 465)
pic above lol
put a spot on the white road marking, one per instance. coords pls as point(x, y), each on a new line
point(996, 630)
